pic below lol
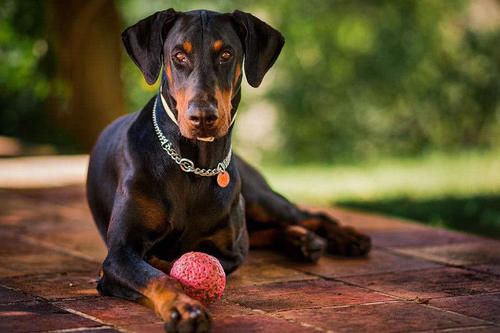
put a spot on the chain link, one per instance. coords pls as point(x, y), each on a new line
point(186, 164)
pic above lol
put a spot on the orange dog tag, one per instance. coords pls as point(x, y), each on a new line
point(223, 179)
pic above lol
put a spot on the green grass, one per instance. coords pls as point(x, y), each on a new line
point(458, 191)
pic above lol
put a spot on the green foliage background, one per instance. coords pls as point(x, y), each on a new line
point(26, 75)
point(385, 77)
point(356, 79)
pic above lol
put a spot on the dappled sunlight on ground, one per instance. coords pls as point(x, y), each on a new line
point(43, 171)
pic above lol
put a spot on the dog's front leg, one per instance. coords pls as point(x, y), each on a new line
point(126, 274)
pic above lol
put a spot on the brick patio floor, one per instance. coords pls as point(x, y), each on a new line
point(415, 279)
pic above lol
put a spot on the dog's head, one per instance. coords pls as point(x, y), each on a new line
point(202, 54)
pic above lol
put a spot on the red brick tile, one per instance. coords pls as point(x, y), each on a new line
point(491, 269)
point(63, 229)
point(12, 296)
point(486, 306)
point(60, 217)
point(257, 256)
point(302, 294)
point(61, 195)
point(38, 316)
point(32, 218)
point(112, 310)
point(378, 261)
point(145, 328)
point(102, 329)
point(388, 317)
point(224, 308)
point(484, 252)
point(419, 237)
point(474, 329)
point(258, 323)
point(12, 207)
point(46, 261)
point(57, 286)
point(431, 283)
point(7, 272)
point(17, 212)
point(13, 245)
point(57, 219)
point(245, 324)
point(86, 242)
point(255, 272)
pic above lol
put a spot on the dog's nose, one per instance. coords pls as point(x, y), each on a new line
point(202, 115)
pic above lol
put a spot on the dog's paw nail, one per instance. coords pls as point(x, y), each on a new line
point(175, 315)
point(194, 313)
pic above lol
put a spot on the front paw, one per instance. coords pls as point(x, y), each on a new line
point(184, 314)
point(302, 244)
point(346, 241)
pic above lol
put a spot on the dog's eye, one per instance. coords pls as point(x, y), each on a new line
point(180, 57)
point(225, 56)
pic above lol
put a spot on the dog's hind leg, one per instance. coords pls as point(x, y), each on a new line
point(273, 221)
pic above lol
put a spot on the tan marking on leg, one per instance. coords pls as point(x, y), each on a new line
point(162, 291)
point(264, 238)
point(223, 239)
point(162, 265)
point(297, 230)
point(312, 223)
point(144, 301)
point(255, 212)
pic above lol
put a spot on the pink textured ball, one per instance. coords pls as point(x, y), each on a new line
point(201, 276)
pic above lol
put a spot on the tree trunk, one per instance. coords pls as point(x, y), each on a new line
point(86, 39)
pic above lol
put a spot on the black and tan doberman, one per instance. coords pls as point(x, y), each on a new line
point(163, 181)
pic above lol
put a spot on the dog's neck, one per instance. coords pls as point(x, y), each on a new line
point(203, 154)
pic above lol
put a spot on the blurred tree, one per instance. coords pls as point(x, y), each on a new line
point(356, 79)
point(85, 35)
point(26, 67)
point(361, 79)
point(60, 64)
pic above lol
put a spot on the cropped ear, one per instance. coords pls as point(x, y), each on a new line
point(262, 46)
point(144, 42)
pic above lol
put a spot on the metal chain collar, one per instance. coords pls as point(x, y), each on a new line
point(186, 164)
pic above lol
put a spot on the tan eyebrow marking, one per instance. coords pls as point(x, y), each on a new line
point(218, 44)
point(188, 47)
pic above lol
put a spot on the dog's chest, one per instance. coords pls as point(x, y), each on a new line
point(207, 222)
point(198, 203)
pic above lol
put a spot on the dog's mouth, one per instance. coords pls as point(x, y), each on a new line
point(206, 139)
point(203, 134)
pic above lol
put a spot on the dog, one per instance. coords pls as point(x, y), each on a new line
point(163, 181)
